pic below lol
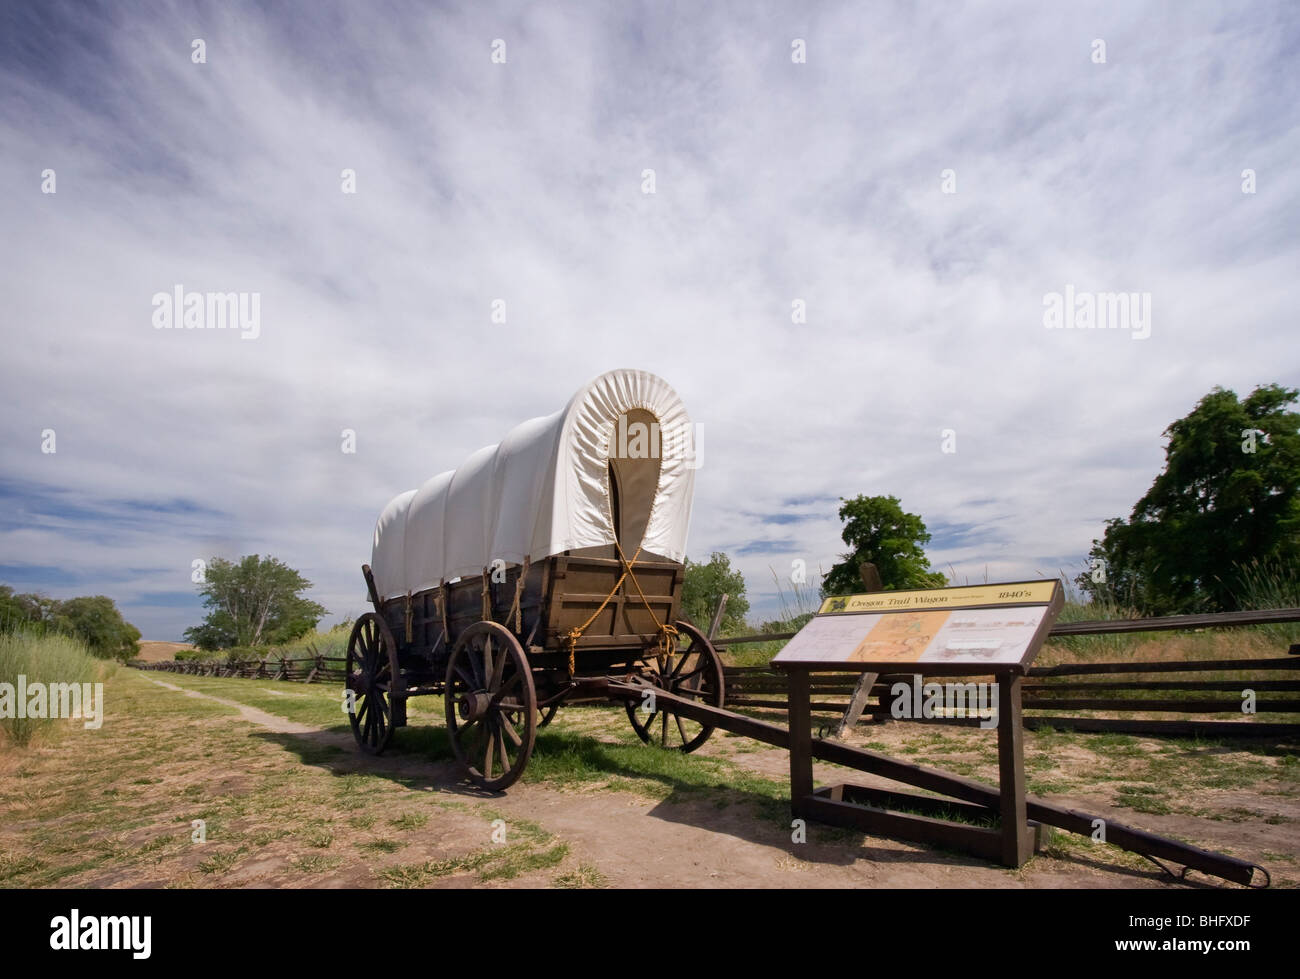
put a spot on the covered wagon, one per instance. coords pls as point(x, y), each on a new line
point(543, 563)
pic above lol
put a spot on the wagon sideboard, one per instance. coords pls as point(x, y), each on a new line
point(558, 594)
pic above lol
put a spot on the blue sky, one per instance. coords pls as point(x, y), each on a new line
point(523, 181)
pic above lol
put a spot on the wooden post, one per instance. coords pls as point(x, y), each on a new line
point(858, 702)
point(717, 617)
point(870, 576)
point(800, 720)
point(1017, 840)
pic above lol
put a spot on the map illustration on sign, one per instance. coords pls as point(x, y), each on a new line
point(910, 629)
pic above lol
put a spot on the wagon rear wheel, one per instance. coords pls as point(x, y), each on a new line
point(693, 672)
point(371, 676)
point(491, 705)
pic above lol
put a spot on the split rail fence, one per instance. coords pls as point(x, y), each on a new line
point(1053, 695)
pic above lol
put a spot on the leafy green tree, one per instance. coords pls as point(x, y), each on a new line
point(33, 607)
point(1229, 494)
point(93, 619)
point(96, 620)
point(12, 612)
point(216, 632)
point(705, 584)
point(254, 602)
point(880, 532)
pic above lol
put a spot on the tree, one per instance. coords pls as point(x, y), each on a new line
point(12, 612)
point(253, 603)
point(1229, 494)
point(705, 584)
point(96, 620)
point(880, 532)
point(34, 607)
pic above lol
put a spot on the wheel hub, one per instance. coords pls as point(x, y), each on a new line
point(473, 706)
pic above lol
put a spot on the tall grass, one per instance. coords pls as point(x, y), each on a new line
point(44, 657)
point(330, 643)
point(1271, 584)
point(1080, 607)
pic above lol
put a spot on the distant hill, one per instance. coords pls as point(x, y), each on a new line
point(152, 651)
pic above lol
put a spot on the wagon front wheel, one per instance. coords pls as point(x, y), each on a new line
point(693, 672)
point(371, 677)
point(491, 705)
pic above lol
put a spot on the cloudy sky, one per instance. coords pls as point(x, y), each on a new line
point(799, 155)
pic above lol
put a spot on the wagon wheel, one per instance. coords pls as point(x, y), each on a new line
point(694, 672)
point(371, 667)
point(547, 715)
point(491, 705)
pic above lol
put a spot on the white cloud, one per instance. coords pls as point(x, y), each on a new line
point(522, 182)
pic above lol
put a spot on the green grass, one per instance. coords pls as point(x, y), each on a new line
point(566, 759)
point(314, 863)
point(320, 705)
point(586, 876)
point(498, 862)
point(380, 846)
point(409, 820)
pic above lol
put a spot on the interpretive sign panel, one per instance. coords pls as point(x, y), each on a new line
point(942, 630)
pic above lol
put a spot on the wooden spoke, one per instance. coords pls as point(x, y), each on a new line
point(513, 735)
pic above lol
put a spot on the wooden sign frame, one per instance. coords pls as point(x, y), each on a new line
point(873, 810)
point(1042, 598)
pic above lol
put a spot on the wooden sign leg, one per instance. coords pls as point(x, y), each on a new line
point(800, 718)
point(1017, 842)
point(858, 704)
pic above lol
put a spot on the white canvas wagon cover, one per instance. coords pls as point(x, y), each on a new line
point(543, 490)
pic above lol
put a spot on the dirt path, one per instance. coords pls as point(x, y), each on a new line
point(253, 715)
